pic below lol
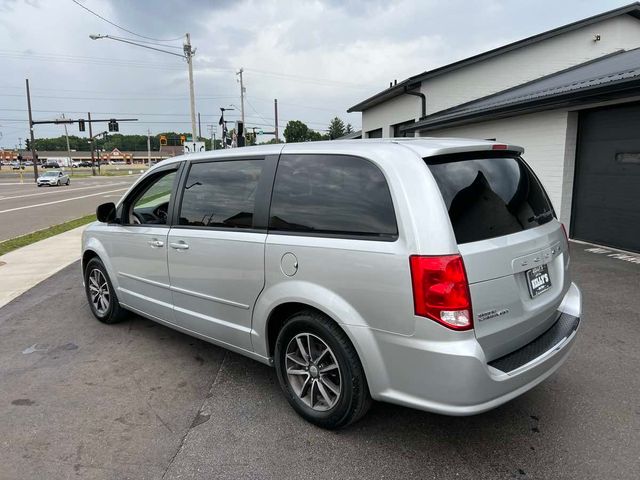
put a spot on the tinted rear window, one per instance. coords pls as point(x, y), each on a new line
point(490, 197)
point(336, 195)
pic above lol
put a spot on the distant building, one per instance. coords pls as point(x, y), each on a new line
point(128, 157)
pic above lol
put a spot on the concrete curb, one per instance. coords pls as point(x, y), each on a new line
point(25, 267)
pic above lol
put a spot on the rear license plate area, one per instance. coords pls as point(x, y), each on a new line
point(538, 280)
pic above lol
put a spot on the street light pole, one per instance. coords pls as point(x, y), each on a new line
point(188, 56)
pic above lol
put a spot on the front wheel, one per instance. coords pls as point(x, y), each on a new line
point(101, 294)
point(58, 183)
point(319, 371)
point(68, 182)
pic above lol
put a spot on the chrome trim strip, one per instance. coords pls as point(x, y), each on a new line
point(144, 280)
point(144, 297)
point(185, 291)
point(209, 297)
point(211, 319)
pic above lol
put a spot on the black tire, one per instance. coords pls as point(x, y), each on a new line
point(354, 399)
point(68, 182)
point(58, 184)
point(114, 313)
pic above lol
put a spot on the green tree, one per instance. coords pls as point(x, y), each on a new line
point(336, 128)
point(296, 131)
point(348, 129)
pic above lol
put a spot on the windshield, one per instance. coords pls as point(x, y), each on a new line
point(50, 174)
point(490, 197)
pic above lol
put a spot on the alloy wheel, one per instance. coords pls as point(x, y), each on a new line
point(313, 372)
point(99, 291)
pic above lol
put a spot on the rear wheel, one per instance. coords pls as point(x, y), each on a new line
point(100, 293)
point(319, 371)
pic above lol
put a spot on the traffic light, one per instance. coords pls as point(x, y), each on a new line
point(182, 139)
point(113, 125)
point(240, 133)
point(163, 140)
point(81, 125)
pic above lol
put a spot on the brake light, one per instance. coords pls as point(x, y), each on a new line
point(441, 290)
point(499, 146)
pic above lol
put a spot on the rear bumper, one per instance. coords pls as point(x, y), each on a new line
point(452, 376)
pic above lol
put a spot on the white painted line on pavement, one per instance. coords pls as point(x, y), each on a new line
point(60, 201)
point(73, 189)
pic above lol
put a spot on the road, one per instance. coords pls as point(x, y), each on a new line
point(25, 208)
point(79, 399)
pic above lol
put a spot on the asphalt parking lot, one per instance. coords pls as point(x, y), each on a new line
point(79, 399)
point(25, 208)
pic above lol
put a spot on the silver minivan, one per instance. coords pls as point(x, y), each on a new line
point(430, 273)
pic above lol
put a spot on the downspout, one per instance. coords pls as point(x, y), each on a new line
point(423, 98)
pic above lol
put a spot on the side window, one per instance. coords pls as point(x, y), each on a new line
point(151, 204)
point(333, 195)
point(221, 194)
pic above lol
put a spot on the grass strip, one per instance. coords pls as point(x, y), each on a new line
point(24, 240)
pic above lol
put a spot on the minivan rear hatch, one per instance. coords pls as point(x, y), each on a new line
point(514, 250)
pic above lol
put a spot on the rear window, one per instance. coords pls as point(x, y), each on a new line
point(490, 197)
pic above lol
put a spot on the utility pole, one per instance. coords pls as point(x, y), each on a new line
point(188, 53)
point(148, 148)
point(242, 92)
point(34, 158)
point(66, 134)
point(199, 128)
point(275, 107)
point(93, 158)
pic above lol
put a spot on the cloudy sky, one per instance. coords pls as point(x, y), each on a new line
point(317, 58)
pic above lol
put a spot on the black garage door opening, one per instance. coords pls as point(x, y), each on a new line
point(606, 193)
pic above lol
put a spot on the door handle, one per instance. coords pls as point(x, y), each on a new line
point(156, 243)
point(179, 245)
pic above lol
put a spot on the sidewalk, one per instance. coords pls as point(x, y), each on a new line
point(27, 266)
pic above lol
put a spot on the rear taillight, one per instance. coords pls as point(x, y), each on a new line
point(441, 290)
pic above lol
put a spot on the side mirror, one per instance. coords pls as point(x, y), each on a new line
point(106, 213)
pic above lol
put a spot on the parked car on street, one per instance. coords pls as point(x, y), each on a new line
point(54, 177)
point(51, 165)
point(430, 273)
point(17, 166)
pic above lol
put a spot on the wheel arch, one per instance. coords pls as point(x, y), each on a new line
point(93, 248)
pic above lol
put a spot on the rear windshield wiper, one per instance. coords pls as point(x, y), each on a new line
point(542, 216)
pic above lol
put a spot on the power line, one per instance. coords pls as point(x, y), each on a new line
point(124, 39)
point(122, 28)
point(88, 61)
